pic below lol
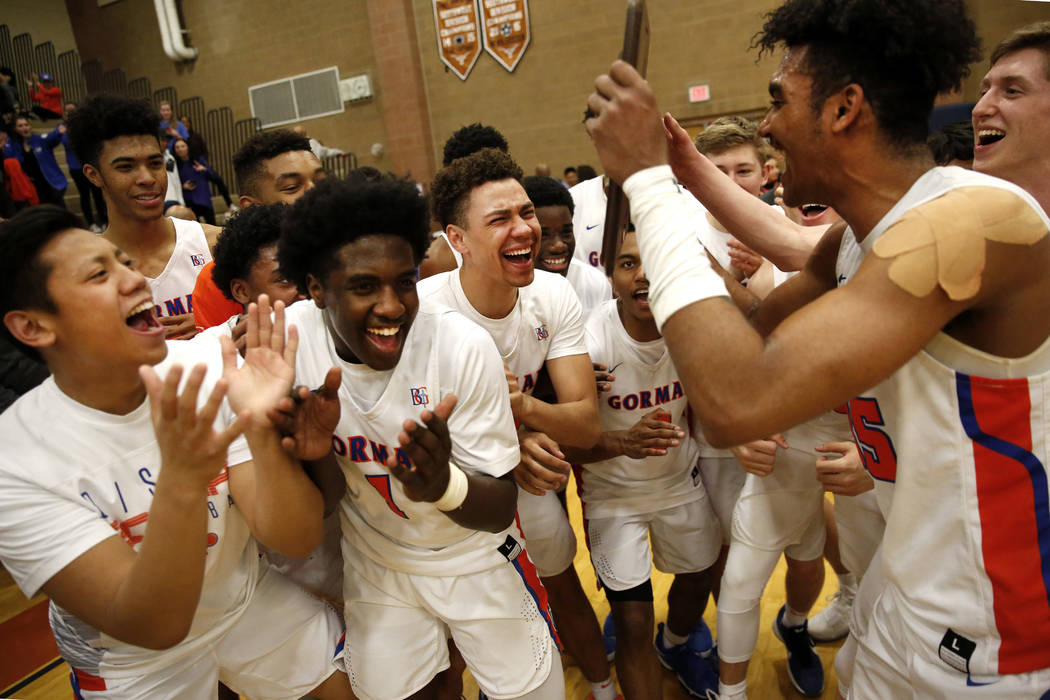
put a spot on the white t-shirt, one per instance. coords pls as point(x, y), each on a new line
point(588, 219)
point(590, 284)
point(71, 476)
point(173, 287)
point(444, 353)
point(544, 324)
point(646, 379)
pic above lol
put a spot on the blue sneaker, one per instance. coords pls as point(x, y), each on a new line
point(609, 637)
point(804, 669)
point(701, 640)
point(694, 671)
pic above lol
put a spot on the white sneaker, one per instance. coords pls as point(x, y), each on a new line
point(832, 623)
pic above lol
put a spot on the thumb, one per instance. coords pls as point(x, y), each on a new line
point(778, 438)
point(444, 409)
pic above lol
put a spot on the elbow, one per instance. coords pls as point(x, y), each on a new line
point(723, 427)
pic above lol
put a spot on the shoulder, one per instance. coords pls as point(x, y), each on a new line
point(211, 234)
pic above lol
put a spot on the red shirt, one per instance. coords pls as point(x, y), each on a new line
point(48, 97)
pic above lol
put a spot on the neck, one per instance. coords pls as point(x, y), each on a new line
point(865, 194)
point(134, 236)
point(113, 390)
point(490, 298)
point(642, 331)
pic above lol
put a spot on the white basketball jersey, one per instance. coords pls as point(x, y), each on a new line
point(588, 219)
point(622, 485)
point(72, 476)
point(173, 287)
point(444, 353)
point(590, 284)
point(962, 435)
point(544, 324)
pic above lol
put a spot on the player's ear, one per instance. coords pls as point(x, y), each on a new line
point(31, 327)
point(246, 201)
point(241, 291)
point(455, 238)
point(845, 106)
point(92, 174)
point(315, 290)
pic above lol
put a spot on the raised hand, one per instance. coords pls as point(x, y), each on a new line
point(743, 258)
point(681, 152)
point(307, 419)
point(266, 375)
point(190, 448)
point(542, 466)
point(759, 456)
point(842, 472)
point(428, 447)
point(650, 436)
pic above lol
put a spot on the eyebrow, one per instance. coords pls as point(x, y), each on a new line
point(288, 176)
point(129, 159)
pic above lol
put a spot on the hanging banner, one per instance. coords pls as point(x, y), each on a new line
point(506, 25)
point(458, 29)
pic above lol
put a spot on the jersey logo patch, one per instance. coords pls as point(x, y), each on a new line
point(197, 260)
point(419, 396)
point(541, 332)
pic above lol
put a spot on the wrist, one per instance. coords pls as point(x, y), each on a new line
point(455, 491)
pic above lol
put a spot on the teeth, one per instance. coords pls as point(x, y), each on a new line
point(519, 251)
point(384, 331)
point(555, 261)
point(144, 306)
point(991, 132)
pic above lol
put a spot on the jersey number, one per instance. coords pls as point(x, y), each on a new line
point(876, 447)
point(381, 483)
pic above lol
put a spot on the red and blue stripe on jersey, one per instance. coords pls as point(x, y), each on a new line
point(1014, 512)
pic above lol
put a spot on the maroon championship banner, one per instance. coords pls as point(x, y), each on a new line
point(506, 30)
point(458, 34)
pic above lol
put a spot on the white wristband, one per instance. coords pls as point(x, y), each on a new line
point(455, 492)
point(675, 262)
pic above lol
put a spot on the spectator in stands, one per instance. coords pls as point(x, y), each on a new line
point(8, 100)
point(36, 155)
point(42, 89)
point(174, 130)
point(87, 191)
point(17, 190)
point(199, 152)
point(586, 172)
point(570, 177)
point(319, 149)
point(195, 176)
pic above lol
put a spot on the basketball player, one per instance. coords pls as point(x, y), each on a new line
point(534, 317)
point(119, 489)
point(116, 140)
point(271, 166)
point(429, 540)
point(942, 371)
point(641, 483)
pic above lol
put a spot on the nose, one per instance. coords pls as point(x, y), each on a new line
point(984, 107)
point(389, 305)
point(131, 280)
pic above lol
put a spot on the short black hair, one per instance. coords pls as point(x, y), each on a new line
point(952, 142)
point(901, 52)
point(261, 147)
point(453, 184)
point(547, 192)
point(104, 117)
point(586, 172)
point(23, 275)
point(337, 212)
point(243, 236)
point(568, 170)
point(471, 139)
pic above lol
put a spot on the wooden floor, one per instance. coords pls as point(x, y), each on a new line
point(29, 668)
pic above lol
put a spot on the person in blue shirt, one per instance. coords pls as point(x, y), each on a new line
point(96, 220)
point(195, 176)
point(36, 153)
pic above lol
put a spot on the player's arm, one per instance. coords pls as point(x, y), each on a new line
point(651, 436)
point(279, 501)
point(758, 225)
point(574, 419)
point(148, 598)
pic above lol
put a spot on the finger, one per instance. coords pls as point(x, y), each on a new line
point(598, 367)
point(224, 438)
point(524, 481)
point(604, 386)
point(444, 408)
point(548, 445)
point(780, 441)
point(654, 452)
point(283, 422)
point(210, 409)
point(332, 380)
point(154, 388)
point(625, 74)
point(251, 327)
point(188, 397)
point(229, 354)
point(265, 321)
point(542, 478)
point(840, 447)
point(292, 345)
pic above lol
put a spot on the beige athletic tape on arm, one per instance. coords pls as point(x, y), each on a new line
point(943, 241)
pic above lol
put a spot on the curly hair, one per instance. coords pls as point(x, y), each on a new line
point(243, 236)
point(337, 212)
point(471, 139)
point(104, 117)
point(23, 275)
point(729, 132)
point(1031, 36)
point(249, 158)
point(547, 192)
point(901, 52)
point(453, 184)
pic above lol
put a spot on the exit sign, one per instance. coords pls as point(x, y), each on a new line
point(700, 93)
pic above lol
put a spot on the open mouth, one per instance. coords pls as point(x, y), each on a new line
point(812, 211)
point(641, 296)
point(143, 318)
point(986, 137)
point(519, 256)
point(386, 339)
